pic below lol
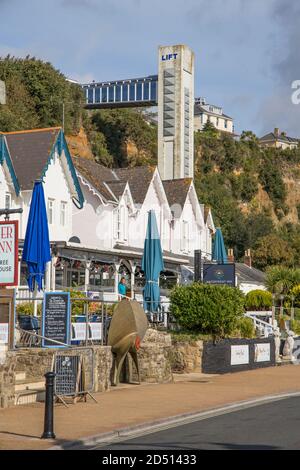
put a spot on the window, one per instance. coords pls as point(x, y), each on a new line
point(125, 92)
point(50, 211)
point(104, 95)
point(139, 92)
point(153, 91)
point(97, 95)
point(111, 93)
point(146, 90)
point(7, 201)
point(226, 124)
point(132, 92)
point(122, 228)
point(63, 213)
point(185, 236)
point(90, 95)
point(118, 92)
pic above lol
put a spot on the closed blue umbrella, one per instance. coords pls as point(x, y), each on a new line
point(219, 251)
point(36, 251)
point(152, 264)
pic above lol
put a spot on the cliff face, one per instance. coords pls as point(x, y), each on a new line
point(79, 145)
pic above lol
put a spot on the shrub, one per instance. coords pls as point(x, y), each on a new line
point(258, 300)
point(295, 326)
point(26, 308)
point(246, 327)
point(207, 309)
point(77, 305)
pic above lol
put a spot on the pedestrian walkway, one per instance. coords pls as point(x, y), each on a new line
point(21, 427)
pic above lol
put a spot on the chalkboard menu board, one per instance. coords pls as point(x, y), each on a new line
point(56, 318)
point(68, 370)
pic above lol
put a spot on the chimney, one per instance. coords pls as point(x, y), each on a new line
point(276, 131)
point(230, 256)
point(247, 258)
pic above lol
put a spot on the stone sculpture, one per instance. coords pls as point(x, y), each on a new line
point(289, 346)
point(277, 344)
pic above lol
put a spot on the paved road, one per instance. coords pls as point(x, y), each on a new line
point(271, 426)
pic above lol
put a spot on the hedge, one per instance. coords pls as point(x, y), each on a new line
point(207, 308)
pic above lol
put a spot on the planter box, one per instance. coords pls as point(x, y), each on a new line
point(235, 355)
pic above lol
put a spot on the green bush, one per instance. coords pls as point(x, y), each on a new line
point(295, 326)
point(26, 308)
point(246, 328)
point(207, 309)
point(258, 300)
point(77, 305)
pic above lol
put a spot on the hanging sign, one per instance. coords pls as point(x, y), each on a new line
point(219, 274)
point(9, 253)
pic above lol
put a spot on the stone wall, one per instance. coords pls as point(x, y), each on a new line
point(7, 380)
point(154, 359)
point(186, 357)
point(35, 362)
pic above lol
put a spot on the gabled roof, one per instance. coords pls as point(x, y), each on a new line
point(139, 179)
point(117, 187)
point(106, 180)
point(30, 152)
point(281, 138)
point(96, 174)
point(249, 275)
point(177, 190)
point(198, 109)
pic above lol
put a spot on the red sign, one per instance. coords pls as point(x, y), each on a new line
point(9, 253)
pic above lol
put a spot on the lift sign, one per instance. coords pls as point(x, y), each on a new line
point(8, 253)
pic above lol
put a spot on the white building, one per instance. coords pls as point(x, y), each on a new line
point(27, 156)
point(116, 212)
point(204, 112)
point(279, 139)
point(98, 216)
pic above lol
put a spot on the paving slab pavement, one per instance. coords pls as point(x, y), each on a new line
point(22, 426)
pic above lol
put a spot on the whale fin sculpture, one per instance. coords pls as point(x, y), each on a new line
point(127, 329)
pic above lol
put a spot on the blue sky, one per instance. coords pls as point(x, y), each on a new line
point(246, 51)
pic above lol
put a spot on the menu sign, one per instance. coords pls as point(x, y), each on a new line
point(9, 253)
point(68, 371)
point(56, 318)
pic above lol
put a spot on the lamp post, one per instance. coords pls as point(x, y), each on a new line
point(281, 304)
point(273, 309)
point(292, 308)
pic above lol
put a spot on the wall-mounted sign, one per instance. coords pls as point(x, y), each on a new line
point(9, 253)
point(220, 274)
point(169, 56)
point(56, 318)
point(262, 352)
point(239, 354)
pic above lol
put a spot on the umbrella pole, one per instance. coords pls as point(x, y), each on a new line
point(34, 302)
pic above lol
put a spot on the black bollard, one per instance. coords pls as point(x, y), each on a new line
point(49, 401)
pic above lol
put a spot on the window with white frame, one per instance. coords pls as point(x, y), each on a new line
point(50, 211)
point(185, 236)
point(63, 213)
point(7, 201)
point(121, 224)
